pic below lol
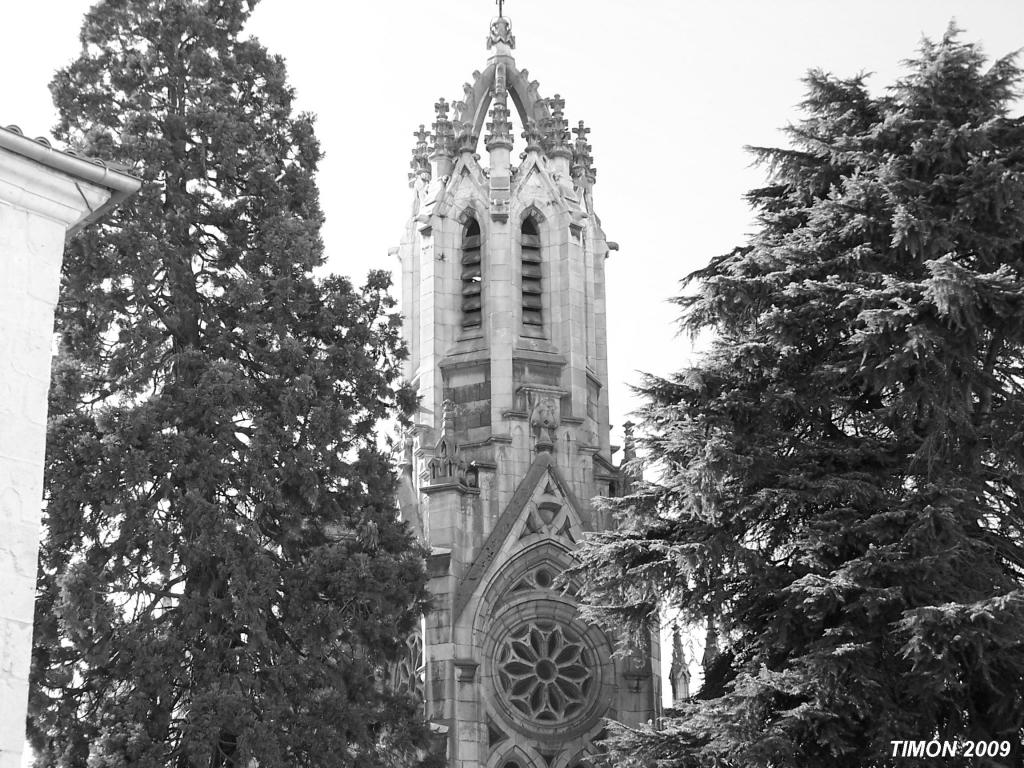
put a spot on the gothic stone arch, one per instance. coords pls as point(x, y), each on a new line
point(547, 677)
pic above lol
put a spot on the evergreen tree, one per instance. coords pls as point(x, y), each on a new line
point(839, 479)
point(222, 578)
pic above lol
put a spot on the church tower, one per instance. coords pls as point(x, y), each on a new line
point(503, 297)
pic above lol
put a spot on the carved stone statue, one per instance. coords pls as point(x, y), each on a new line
point(545, 421)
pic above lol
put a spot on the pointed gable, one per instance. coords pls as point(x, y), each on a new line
point(542, 507)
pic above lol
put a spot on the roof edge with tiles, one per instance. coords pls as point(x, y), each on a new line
point(93, 171)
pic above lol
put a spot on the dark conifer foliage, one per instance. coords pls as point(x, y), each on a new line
point(222, 577)
point(839, 478)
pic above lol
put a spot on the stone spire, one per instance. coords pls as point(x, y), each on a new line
point(679, 672)
point(545, 127)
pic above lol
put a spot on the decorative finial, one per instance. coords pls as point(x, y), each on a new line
point(448, 416)
point(499, 128)
point(465, 139)
point(501, 32)
point(501, 7)
point(420, 162)
point(445, 462)
point(444, 135)
point(556, 129)
point(582, 161)
point(447, 465)
point(461, 130)
point(533, 137)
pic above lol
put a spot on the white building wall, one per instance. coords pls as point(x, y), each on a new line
point(38, 205)
point(30, 256)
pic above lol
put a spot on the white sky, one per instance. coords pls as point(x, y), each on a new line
point(671, 90)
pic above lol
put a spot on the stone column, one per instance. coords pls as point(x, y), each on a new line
point(45, 195)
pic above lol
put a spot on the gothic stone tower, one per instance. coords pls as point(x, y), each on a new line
point(504, 304)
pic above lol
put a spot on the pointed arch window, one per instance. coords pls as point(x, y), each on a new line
point(472, 272)
point(533, 305)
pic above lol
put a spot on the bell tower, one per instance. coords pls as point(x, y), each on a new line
point(503, 296)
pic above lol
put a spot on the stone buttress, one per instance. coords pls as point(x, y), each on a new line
point(503, 299)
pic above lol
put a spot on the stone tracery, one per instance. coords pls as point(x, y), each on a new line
point(545, 671)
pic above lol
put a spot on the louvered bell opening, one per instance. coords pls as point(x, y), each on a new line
point(531, 275)
point(532, 317)
point(531, 288)
point(471, 275)
point(471, 305)
point(471, 302)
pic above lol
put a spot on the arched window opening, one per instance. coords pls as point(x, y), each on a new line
point(472, 272)
point(533, 315)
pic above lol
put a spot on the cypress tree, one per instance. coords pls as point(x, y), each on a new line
point(836, 484)
point(222, 578)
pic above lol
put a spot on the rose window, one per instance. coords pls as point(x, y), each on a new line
point(545, 672)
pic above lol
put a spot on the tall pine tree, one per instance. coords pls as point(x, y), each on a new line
point(840, 478)
point(222, 577)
